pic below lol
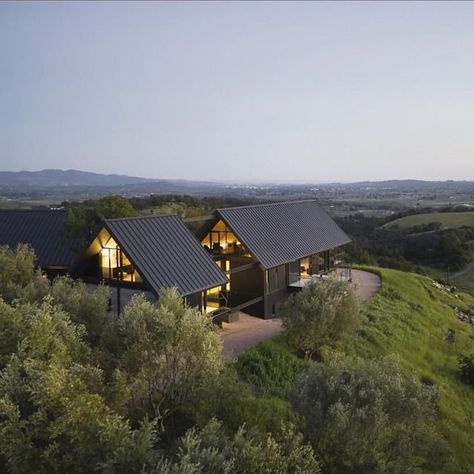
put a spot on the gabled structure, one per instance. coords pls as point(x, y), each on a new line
point(151, 253)
point(45, 231)
point(247, 258)
point(265, 249)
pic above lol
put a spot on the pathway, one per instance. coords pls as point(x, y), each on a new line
point(367, 283)
point(467, 269)
point(248, 331)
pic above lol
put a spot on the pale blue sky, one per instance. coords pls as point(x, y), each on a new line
point(260, 91)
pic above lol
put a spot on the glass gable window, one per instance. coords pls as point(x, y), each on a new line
point(222, 241)
point(115, 265)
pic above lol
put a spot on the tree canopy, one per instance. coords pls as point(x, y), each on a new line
point(366, 417)
point(320, 315)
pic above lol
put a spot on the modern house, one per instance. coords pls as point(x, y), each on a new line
point(152, 253)
point(137, 254)
point(267, 249)
point(245, 258)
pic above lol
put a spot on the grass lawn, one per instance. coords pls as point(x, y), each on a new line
point(446, 219)
point(410, 317)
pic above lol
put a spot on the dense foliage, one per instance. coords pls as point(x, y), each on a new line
point(364, 416)
point(81, 389)
point(84, 390)
point(320, 315)
point(269, 368)
point(210, 450)
point(405, 248)
point(85, 219)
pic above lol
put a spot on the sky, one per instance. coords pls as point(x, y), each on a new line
point(244, 91)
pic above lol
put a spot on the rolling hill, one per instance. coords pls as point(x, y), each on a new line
point(448, 220)
point(57, 177)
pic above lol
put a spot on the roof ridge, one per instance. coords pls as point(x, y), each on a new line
point(57, 211)
point(115, 219)
point(268, 204)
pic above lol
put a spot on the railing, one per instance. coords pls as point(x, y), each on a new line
point(344, 274)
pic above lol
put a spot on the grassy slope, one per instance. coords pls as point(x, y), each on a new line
point(410, 317)
point(465, 282)
point(446, 219)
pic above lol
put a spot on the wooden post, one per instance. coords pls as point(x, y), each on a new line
point(119, 259)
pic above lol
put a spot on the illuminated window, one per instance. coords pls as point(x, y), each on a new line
point(115, 265)
point(221, 240)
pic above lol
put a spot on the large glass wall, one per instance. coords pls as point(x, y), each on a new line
point(311, 265)
point(222, 241)
point(115, 265)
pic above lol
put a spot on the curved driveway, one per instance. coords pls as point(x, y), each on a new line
point(248, 331)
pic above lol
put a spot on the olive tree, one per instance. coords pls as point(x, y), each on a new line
point(19, 279)
point(167, 352)
point(320, 314)
point(89, 307)
point(366, 417)
point(247, 452)
point(53, 413)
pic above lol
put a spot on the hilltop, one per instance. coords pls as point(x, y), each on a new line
point(446, 220)
point(57, 177)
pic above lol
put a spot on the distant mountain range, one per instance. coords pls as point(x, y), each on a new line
point(63, 178)
point(55, 177)
point(75, 184)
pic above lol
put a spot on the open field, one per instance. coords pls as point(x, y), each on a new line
point(446, 219)
point(410, 317)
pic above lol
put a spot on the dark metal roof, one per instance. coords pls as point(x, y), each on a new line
point(44, 230)
point(165, 253)
point(283, 232)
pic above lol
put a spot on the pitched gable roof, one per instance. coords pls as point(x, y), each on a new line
point(165, 253)
point(283, 232)
point(44, 230)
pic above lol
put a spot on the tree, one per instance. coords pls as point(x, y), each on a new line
point(365, 417)
point(87, 307)
point(321, 314)
point(85, 219)
point(18, 277)
point(167, 353)
point(248, 452)
point(53, 414)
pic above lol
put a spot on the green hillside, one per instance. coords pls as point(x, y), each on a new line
point(446, 219)
point(411, 317)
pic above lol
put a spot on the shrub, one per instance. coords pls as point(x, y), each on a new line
point(210, 450)
point(364, 416)
point(168, 352)
point(269, 368)
point(321, 314)
point(466, 366)
point(18, 277)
